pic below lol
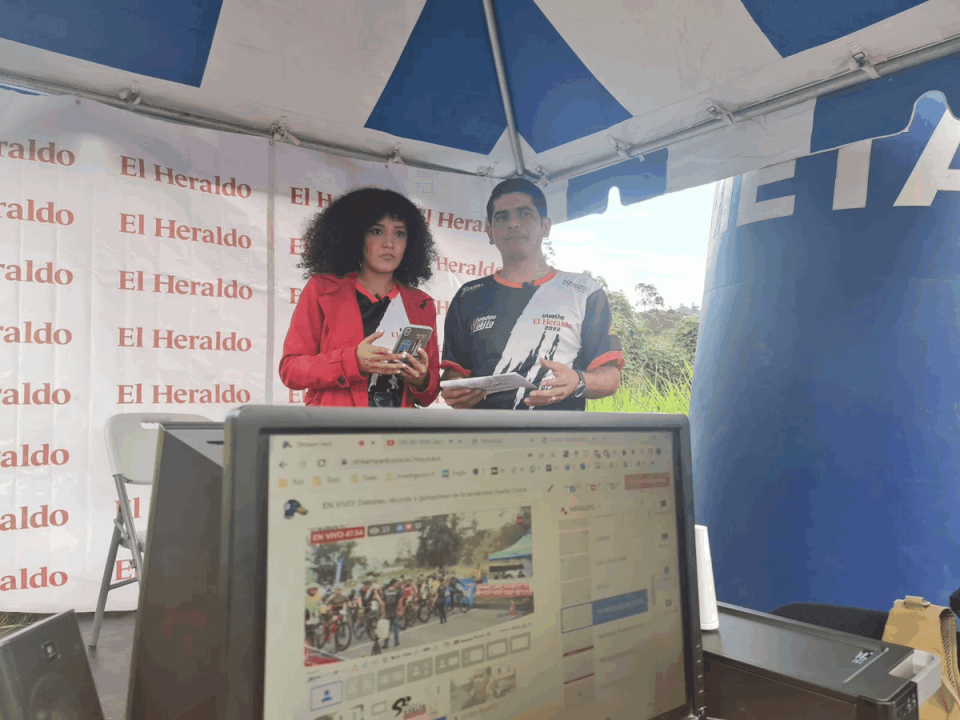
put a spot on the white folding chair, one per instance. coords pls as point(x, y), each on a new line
point(132, 451)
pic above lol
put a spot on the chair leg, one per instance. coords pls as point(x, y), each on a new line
point(127, 515)
point(105, 584)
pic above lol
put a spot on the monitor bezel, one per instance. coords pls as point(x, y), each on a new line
point(153, 546)
point(243, 556)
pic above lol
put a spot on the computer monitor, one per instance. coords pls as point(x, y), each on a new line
point(569, 538)
point(175, 661)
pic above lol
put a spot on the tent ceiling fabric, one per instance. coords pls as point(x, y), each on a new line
point(585, 79)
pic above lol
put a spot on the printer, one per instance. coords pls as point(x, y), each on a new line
point(762, 667)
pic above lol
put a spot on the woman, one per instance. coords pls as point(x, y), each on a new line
point(363, 255)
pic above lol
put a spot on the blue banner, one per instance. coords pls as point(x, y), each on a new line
point(824, 416)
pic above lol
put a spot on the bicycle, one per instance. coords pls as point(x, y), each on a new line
point(358, 621)
point(427, 606)
point(409, 617)
point(459, 600)
point(335, 627)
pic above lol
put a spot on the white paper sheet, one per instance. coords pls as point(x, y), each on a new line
point(491, 383)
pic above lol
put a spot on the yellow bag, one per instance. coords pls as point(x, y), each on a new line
point(918, 624)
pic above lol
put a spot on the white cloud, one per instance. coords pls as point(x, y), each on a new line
point(630, 245)
point(678, 278)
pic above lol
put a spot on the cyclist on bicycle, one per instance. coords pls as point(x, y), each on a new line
point(409, 590)
point(368, 593)
point(336, 599)
point(314, 601)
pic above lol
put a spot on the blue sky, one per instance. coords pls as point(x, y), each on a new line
point(662, 241)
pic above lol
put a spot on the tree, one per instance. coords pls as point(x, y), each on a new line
point(685, 334)
point(323, 561)
point(549, 254)
point(440, 542)
point(513, 530)
point(649, 297)
point(598, 278)
point(471, 552)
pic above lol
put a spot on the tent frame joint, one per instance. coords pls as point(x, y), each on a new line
point(394, 156)
point(279, 132)
point(718, 112)
point(618, 147)
point(132, 96)
point(864, 62)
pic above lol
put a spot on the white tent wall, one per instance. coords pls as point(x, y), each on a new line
point(151, 266)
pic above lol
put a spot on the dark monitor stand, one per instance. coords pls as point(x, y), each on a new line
point(175, 660)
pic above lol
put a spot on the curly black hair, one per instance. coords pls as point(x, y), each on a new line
point(333, 239)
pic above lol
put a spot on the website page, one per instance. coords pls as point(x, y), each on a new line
point(494, 575)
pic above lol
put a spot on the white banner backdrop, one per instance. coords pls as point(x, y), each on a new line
point(139, 271)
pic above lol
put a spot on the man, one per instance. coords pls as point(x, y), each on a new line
point(409, 596)
point(392, 610)
point(440, 598)
point(551, 327)
point(313, 613)
point(314, 603)
point(453, 584)
point(336, 597)
point(368, 593)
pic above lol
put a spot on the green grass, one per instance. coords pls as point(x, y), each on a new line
point(14, 621)
point(642, 395)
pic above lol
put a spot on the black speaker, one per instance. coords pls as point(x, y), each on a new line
point(45, 675)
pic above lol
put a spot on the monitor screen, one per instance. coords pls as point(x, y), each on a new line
point(454, 572)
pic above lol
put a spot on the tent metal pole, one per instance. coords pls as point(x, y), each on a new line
point(203, 121)
point(812, 91)
point(793, 98)
point(488, 12)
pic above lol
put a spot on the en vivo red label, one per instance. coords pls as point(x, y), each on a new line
point(322, 537)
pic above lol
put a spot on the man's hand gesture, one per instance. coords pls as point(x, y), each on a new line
point(556, 387)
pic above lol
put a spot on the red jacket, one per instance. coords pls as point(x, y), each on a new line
point(320, 350)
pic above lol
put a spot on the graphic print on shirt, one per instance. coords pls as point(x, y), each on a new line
point(493, 327)
point(549, 327)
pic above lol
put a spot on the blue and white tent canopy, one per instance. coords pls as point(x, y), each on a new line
point(651, 96)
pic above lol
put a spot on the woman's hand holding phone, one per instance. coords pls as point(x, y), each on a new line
point(414, 368)
point(375, 359)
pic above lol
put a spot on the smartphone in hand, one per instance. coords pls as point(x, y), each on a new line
point(412, 338)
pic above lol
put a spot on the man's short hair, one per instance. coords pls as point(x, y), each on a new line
point(518, 185)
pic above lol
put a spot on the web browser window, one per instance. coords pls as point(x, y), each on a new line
point(455, 575)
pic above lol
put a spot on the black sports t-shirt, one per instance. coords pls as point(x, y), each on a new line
point(494, 327)
point(391, 600)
